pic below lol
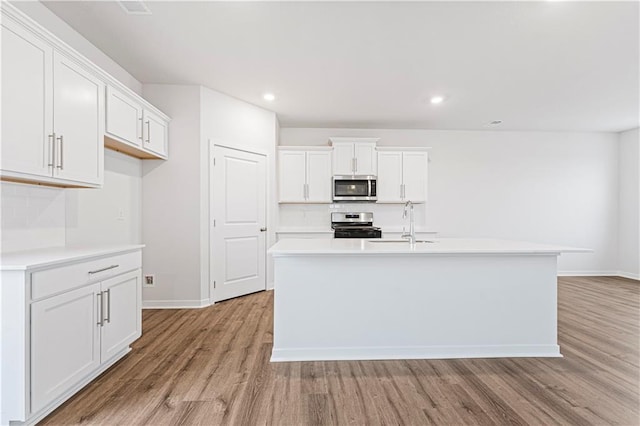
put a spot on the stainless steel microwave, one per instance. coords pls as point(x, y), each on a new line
point(354, 188)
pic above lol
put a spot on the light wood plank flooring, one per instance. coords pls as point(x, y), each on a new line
point(211, 366)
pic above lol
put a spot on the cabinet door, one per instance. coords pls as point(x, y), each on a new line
point(365, 158)
point(389, 177)
point(343, 159)
point(78, 108)
point(122, 313)
point(123, 117)
point(65, 343)
point(27, 96)
point(414, 176)
point(291, 178)
point(155, 133)
point(319, 176)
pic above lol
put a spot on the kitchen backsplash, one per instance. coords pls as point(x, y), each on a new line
point(32, 216)
point(386, 216)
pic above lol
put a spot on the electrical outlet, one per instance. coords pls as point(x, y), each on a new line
point(149, 280)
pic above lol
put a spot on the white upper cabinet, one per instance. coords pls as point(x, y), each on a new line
point(318, 176)
point(389, 182)
point(402, 175)
point(154, 133)
point(304, 175)
point(292, 176)
point(133, 128)
point(52, 114)
point(354, 156)
point(77, 116)
point(27, 102)
point(56, 121)
point(366, 159)
point(123, 118)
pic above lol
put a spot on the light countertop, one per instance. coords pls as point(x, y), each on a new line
point(28, 259)
point(438, 246)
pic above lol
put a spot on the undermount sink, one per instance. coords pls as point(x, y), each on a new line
point(401, 241)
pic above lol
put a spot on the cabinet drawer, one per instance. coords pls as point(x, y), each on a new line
point(56, 280)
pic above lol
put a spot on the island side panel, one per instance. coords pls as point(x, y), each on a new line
point(330, 307)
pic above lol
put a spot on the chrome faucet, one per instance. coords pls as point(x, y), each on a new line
point(411, 236)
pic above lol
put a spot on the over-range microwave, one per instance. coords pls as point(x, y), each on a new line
point(354, 188)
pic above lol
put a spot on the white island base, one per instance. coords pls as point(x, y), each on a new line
point(361, 300)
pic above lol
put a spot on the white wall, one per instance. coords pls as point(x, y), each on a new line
point(111, 214)
point(176, 192)
point(237, 124)
point(629, 213)
point(171, 201)
point(32, 216)
point(35, 216)
point(558, 188)
point(42, 15)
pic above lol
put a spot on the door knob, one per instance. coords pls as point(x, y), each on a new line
point(263, 229)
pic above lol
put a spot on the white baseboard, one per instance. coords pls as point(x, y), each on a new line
point(629, 275)
point(418, 352)
point(175, 304)
point(588, 273)
point(599, 274)
point(270, 285)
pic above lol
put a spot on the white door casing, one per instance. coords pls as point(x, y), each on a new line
point(238, 214)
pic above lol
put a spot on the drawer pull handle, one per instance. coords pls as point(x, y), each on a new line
point(103, 269)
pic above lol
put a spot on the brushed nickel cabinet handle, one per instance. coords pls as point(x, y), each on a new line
point(356, 161)
point(141, 129)
point(61, 154)
point(148, 131)
point(103, 269)
point(52, 147)
point(107, 318)
point(100, 312)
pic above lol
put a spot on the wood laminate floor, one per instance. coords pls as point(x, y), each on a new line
point(211, 366)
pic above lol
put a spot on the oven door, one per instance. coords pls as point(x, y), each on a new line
point(354, 188)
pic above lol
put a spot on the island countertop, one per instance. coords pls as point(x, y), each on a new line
point(327, 246)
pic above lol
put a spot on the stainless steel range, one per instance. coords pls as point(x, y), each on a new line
point(354, 225)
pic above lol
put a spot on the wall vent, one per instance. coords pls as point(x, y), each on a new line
point(135, 7)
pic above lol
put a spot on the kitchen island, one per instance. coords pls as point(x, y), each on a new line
point(353, 299)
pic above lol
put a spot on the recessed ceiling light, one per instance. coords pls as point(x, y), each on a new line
point(135, 7)
point(269, 97)
point(437, 99)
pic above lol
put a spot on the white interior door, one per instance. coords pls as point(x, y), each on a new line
point(238, 237)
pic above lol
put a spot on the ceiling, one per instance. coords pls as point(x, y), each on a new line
point(557, 66)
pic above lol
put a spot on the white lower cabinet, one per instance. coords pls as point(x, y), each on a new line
point(121, 322)
point(65, 343)
point(64, 325)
